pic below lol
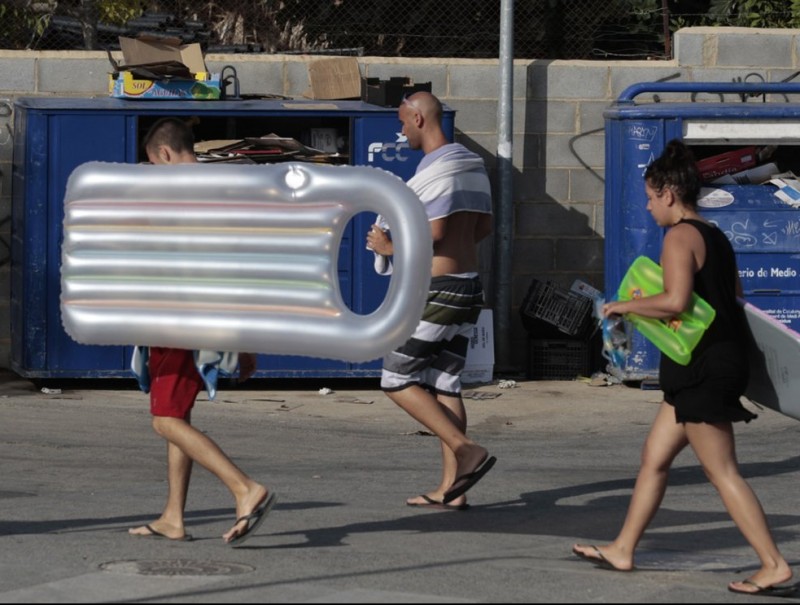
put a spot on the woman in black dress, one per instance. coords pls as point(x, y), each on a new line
point(701, 399)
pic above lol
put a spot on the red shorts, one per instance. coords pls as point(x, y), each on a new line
point(174, 382)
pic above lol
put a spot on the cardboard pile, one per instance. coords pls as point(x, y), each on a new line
point(157, 68)
point(745, 166)
point(261, 150)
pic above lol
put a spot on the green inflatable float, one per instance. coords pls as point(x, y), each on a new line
point(675, 337)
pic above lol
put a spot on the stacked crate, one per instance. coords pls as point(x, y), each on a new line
point(560, 324)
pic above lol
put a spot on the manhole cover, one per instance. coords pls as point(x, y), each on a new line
point(177, 567)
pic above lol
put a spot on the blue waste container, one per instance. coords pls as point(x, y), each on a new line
point(717, 120)
point(53, 136)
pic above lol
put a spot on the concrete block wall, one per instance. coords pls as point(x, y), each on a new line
point(558, 138)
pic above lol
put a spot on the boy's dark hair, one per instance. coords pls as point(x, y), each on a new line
point(676, 168)
point(172, 132)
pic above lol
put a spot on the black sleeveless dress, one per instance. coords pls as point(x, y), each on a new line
point(709, 388)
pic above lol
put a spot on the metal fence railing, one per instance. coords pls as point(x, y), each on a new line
point(544, 29)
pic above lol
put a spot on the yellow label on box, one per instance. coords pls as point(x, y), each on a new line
point(126, 86)
point(133, 87)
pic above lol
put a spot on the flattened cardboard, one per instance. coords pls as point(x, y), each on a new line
point(139, 52)
point(337, 78)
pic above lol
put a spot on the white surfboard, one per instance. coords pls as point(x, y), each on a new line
point(774, 356)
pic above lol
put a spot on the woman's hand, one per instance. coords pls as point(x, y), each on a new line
point(615, 307)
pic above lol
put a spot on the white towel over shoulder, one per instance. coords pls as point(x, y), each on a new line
point(455, 181)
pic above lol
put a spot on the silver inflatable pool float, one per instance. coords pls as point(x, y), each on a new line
point(235, 257)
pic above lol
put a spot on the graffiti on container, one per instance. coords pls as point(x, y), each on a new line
point(641, 132)
point(768, 234)
point(793, 228)
point(739, 236)
point(769, 239)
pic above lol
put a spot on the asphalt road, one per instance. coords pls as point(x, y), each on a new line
point(80, 464)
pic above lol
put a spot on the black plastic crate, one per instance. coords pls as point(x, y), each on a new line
point(548, 304)
point(390, 93)
point(559, 359)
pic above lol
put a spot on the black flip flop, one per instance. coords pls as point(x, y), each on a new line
point(154, 533)
point(254, 520)
point(437, 504)
point(767, 591)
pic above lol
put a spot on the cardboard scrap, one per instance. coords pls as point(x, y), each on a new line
point(788, 188)
point(337, 78)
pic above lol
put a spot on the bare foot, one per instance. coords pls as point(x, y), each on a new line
point(469, 458)
point(605, 556)
point(255, 497)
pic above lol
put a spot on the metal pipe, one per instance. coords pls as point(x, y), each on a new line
point(665, 25)
point(504, 214)
point(627, 96)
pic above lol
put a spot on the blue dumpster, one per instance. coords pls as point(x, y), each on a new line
point(717, 120)
point(53, 136)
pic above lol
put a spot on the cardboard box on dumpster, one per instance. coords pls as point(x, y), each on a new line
point(332, 79)
point(727, 163)
point(391, 92)
point(480, 355)
point(162, 69)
